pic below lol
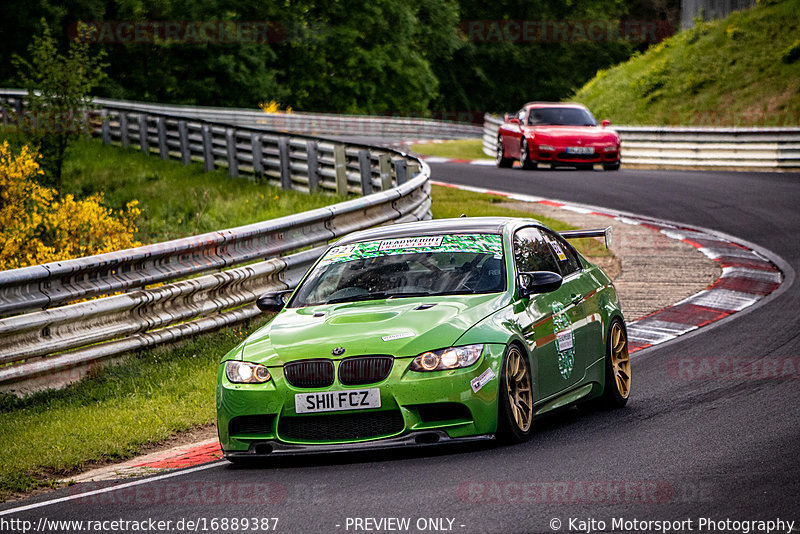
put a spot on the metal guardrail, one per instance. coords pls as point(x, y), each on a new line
point(48, 339)
point(329, 124)
point(766, 149)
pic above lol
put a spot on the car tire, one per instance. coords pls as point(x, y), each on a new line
point(500, 158)
point(515, 410)
point(525, 160)
point(617, 387)
point(611, 166)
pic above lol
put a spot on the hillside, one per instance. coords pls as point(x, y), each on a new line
point(740, 71)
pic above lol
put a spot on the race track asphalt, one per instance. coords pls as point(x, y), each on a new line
point(683, 449)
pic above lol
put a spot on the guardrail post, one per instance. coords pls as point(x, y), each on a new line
point(283, 151)
point(401, 171)
point(183, 141)
point(385, 166)
point(162, 138)
point(313, 165)
point(255, 142)
point(18, 108)
point(208, 147)
point(340, 165)
point(106, 128)
point(143, 133)
point(365, 166)
point(230, 143)
point(123, 129)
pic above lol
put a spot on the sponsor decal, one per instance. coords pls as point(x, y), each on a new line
point(479, 381)
point(401, 335)
point(412, 242)
point(565, 340)
point(559, 251)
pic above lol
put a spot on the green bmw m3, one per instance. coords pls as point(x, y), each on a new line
point(424, 333)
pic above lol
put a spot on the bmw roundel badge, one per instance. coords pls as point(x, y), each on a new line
point(338, 351)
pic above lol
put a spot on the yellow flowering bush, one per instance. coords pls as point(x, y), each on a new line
point(273, 107)
point(37, 226)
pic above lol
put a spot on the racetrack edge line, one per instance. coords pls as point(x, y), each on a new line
point(113, 487)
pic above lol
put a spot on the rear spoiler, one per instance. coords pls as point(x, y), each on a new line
point(605, 233)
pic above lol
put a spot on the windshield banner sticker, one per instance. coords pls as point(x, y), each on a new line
point(475, 243)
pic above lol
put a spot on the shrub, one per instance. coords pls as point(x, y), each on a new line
point(37, 226)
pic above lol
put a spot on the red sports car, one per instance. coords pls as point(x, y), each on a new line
point(558, 134)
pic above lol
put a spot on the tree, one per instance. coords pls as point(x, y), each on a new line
point(58, 95)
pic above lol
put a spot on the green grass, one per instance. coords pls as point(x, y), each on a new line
point(147, 398)
point(449, 202)
point(460, 149)
point(176, 200)
point(742, 70)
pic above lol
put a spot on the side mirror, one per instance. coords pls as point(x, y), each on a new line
point(513, 121)
point(606, 122)
point(272, 302)
point(538, 282)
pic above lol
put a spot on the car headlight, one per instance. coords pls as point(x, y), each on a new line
point(449, 358)
point(548, 148)
point(246, 372)
point(610, 148)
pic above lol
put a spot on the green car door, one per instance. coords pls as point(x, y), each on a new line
point(557, 317)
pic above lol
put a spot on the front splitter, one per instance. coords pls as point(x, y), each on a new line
point(425, 438)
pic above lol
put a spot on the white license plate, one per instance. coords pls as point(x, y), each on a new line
point(334, 401)
point(580, 150)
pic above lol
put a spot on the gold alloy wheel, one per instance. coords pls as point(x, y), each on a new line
point(518, 389)
point(620, 360)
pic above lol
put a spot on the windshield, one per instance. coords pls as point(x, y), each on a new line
point(561, 117)
point(407, 267)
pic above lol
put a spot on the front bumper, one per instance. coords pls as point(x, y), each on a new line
point(560, 155)
point(409, 402)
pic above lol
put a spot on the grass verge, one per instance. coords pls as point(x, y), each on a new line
point(147, 398)
point(460, 149)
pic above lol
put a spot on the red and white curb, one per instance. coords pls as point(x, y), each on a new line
point(174, 458)
point(747, 275)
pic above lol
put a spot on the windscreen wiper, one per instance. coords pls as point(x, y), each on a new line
point(376, 296)
point(355, 298)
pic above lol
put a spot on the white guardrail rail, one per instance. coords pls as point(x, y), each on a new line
point(765, 149)
point(59, 321)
